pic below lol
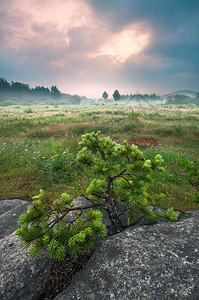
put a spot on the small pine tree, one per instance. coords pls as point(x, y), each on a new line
point(122, 178)
point(120, 188)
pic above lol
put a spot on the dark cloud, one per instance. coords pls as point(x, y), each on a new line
point(175, 23)
point(160, 12)
point(175, 26)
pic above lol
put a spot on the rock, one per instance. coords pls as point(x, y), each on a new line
point(20, 275)
point(143, 262)
point(84, 202)
point(10, 210)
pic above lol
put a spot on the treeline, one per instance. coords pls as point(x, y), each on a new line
point(15, 93)
point(21, 93)
point(18, 90)
point(172, 99)
point(132, 97)
point(145, 97)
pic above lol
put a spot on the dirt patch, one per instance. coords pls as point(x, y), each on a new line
point(143, 141)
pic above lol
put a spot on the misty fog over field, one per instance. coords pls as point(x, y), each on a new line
point(16, 93)
point(86, 47)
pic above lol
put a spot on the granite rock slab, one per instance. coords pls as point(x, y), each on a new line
point(143, 262)
point(10, 210)
point(20, 275)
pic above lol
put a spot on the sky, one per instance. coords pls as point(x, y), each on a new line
point(86, 47)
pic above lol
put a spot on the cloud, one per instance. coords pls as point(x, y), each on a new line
point(118, 44)
point(175, 24)
point(131, 40)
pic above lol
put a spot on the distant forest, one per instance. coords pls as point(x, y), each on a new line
point(20, 93)
point(17, 93)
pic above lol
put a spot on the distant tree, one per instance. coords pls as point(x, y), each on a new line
point(154, 97)
point(116, 95)
point(4, 85)
point(179, 99)
point(19, 89)
point(196, 99)
point(4, 88)
point(105, 95)
point(55, 93)
point(75, 99)
point(41, 91)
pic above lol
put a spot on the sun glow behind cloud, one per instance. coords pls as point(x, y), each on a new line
point(129, 41)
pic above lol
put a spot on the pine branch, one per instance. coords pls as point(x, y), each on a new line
point(65, 212)
point(118, 175)
point(125, 179)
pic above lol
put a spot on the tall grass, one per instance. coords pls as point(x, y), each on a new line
point(173, 181)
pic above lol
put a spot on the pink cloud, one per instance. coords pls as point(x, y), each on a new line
point(72, 26)
point(69, 43)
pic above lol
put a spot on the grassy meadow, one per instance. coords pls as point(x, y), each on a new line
point(38, 146)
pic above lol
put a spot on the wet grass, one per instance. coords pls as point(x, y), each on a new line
point(28, 139)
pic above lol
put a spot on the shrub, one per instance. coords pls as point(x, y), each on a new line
point(28, 110)
point(192, 172)
point(129, 126)
point(179, 129)
point(57, 166)
point(134, 115)
point(119, 189)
